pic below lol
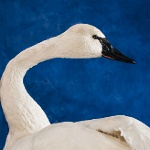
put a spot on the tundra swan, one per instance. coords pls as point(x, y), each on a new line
point(29, 127)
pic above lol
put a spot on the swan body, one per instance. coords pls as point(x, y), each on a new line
point(29, 127)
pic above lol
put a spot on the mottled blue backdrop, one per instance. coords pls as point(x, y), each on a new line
point(74, 90)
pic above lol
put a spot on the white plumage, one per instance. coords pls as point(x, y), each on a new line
point(29, 127)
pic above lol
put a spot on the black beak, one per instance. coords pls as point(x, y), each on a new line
point(112, 53)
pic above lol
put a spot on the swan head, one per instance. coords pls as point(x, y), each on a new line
point(86, 41)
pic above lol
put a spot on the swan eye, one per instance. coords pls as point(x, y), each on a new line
point(95, 37)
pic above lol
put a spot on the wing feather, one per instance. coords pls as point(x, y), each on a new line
point(135, 133)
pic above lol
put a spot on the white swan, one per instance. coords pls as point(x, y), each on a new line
point(29, 127)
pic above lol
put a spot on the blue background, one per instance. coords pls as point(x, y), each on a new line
point(74, 90)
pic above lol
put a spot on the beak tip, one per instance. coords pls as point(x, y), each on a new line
point(132, 62)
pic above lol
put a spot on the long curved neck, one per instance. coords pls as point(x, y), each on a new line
point(23, 114)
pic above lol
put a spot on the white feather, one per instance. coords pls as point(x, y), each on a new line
point(135, 133)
